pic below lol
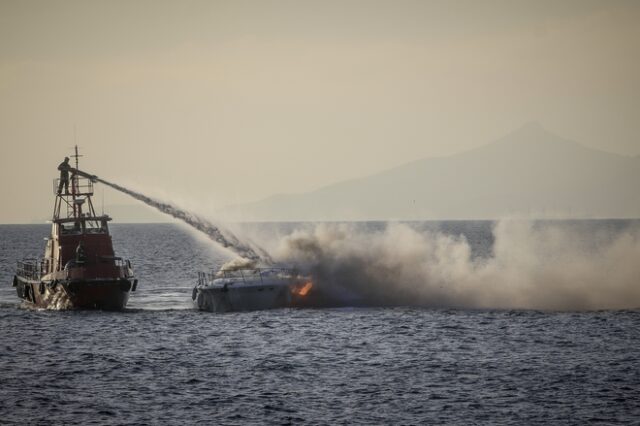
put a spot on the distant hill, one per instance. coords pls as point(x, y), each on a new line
point(529, 172)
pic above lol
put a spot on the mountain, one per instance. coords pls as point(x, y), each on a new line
point(528, 172)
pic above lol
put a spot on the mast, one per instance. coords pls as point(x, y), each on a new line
point(76, 156)
point(80, 192)
point(74, 183)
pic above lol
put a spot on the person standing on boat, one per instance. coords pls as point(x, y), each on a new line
point(81, 256)
point(64, 168)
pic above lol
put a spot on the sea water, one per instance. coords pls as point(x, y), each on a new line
point(163, 362)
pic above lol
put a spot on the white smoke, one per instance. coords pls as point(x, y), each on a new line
point(238, 263)
point(533, 266)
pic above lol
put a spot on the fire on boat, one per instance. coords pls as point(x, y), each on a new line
point(249, 289)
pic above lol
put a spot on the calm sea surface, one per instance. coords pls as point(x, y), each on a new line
point(163, 362)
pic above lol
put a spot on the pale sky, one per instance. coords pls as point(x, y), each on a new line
point(214, 103)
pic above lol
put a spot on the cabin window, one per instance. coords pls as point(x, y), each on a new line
point(95, 227)
point(70, 228)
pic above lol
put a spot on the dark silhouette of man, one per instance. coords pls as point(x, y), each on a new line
point(64, 168)
point(81, 256)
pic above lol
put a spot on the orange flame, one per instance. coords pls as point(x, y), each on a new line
point(302, 291)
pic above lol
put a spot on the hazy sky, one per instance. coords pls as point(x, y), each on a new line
point(212, 103)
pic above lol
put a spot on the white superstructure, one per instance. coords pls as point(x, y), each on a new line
point(249, 289)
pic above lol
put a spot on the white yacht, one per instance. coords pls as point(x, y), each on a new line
point(250, 289)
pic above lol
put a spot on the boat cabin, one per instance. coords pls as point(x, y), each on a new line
point(79, 237)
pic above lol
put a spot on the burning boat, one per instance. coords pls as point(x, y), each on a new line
point(249, 289)
point(79, 269)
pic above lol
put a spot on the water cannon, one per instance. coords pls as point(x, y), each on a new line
point(92, 178)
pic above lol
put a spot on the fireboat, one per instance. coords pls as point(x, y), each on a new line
point(79, 269)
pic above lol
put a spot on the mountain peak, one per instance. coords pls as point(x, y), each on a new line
point(532, 126)
point(529, 170)
point(532, 129)
point(534, 136)
point(528, 139)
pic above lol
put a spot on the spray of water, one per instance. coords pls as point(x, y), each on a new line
point(222, 236)
point(532, 267)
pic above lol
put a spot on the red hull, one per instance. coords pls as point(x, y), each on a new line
point(111, 295)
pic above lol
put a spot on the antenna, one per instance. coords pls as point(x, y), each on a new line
point(76, 155)
point(75, 143)
point(74, 177)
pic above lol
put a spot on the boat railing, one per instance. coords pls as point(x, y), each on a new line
point(32, 269)
point(245, 274)
point(78, 185)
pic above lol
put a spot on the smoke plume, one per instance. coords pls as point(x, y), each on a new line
point(545, 267)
